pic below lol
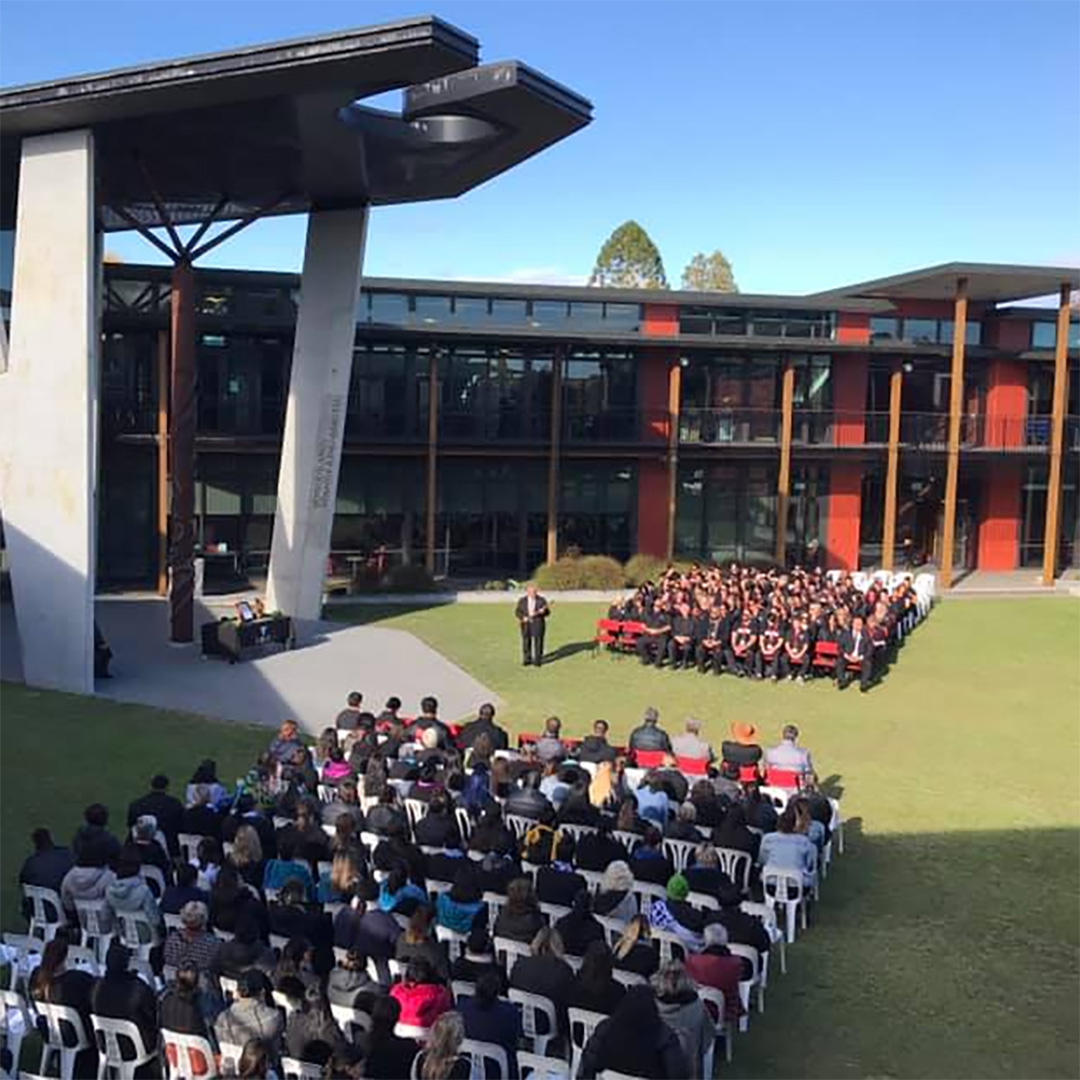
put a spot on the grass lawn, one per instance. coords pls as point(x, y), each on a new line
point(947, 942)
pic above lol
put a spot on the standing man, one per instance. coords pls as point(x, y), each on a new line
point(531, 613)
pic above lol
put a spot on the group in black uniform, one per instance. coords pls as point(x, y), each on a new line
point(765, 624)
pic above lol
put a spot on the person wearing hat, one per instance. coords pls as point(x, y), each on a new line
point(676, 916)
point(649, 735)
point(742, 748)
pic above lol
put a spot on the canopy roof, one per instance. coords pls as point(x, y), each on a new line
point(280, 128)
point(988, 282)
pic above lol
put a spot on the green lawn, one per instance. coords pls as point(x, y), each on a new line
point(947, 942)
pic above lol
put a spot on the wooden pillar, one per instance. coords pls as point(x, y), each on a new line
point(783, 479)
point(674, 392)
point(956, 404)
point(430, 495)
point(552, 552)
point(182, 454)
point(1057, 439)
point(892, 472)
point(163, 463)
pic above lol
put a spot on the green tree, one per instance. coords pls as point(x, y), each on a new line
point(709, 273)
point(629, 260)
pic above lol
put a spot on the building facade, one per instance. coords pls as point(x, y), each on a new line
point(490, 427)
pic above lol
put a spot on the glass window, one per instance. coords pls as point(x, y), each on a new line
point(729, 322)
point(586, 315)
point(921, 330)
point(768, 323)
point(391, 308)
point(508, 313)
point(471, 310)
point(1043, 335)
point(695, 320)
point(548, 313)
point(431, 310)
point(884, 328)
point(626, 317)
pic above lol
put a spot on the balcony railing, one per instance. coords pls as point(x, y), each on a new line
point(495, 425)
point(622, 425)
point(713, 426)
point(384, 425)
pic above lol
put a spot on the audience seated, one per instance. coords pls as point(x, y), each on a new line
point(458, 909)
point(46, 867)
point(478, 959)
point(422, 995)
point(545, 972)
point(54, 983)
point(715, 966)
point(579, 928)
point(635, 1041)
point(166, 810)
point(595, 988)
point(490, 1019)
point(121, 995)
point(615, 898)
point(419, 943)
point(520, 919)
point(683, 1011)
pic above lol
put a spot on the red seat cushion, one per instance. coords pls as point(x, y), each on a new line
point(692, 766)
point(649, 759)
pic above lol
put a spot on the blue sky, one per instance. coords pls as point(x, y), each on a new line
point(814, 143)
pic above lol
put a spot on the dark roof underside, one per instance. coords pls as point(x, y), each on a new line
point(987, 282)
point(279, 128)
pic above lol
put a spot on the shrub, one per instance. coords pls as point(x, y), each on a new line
point(641, 568)
point(409, 578)
point(584, 572)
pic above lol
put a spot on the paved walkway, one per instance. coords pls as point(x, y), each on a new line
point(309, 683)
point(1000, 583)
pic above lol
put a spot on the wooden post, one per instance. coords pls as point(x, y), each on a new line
point(182, 454)
point(956, 404)
point(892, 474)
point(674, 392)
point(430, 495)
point(163, 463)
point(1057, 439)
point(552, 552)
point(783, 479)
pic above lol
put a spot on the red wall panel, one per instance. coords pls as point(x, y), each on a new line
point(999, 522)
point(850, 373)
point(652, 508)
point(845, 509)
point(653, 366)
point(1006, 402)
point(661, 320)
point(1011, 334)
point(852, 328)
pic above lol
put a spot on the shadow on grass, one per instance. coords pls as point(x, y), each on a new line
point(564, 652)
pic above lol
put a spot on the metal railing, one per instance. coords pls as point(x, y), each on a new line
point(384, 425)
point(494, 425)
point(714, 426)
point(622, 425)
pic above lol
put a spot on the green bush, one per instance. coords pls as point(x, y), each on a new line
point(409, 578)
point(580, 572)
point(641, 568)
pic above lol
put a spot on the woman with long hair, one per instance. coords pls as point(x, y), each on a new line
point(595, 988)
point(418, 942)
point(441, 1057)
point(615, 897)
point(634, 951)
point(521, 918)
point(685, 1013)
point(578, 928)
point(254, 1063)
point(54, 983)
point(247, 855)
point(627, 819)
point(636, 1041)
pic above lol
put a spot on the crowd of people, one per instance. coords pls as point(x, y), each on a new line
point(767, 624)
point(394, 859)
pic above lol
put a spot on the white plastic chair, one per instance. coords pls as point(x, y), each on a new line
point(703, 901)
point(108, 1033)
point(679, 852)
point(538, 1067)
point(186, 1047)
point(455, 941)
point(778, 796)
point(628, 978)
point(507, 947)
point(154, 879)
point(189, 844)
point(15, 1024)
point(351, 1021)
point(83, 959)
point(462, 988)
point(578, 831)
point(95, 921)
point(629, 840)
point(48, 911)
point(137, 932)
point(611, 1074)
point(230, 1057)
point(615, 928)
point(495, 903)
point(174, 922)
point(24, 954)
point(230, 988)
point(66, 1037)
point(294, 1069)
point(767, 915)
point(583, 1023)
point(554, 912)
point(782, 886)
point(593, 878)
point(737, 865)
point(836, 826)
point(647, 892)
point(278, 941)
point(533, 1006)
point(519, 825)
point(283, 1001)
point(755, 982)
point(480, 1054)
point(672, 947)
point(415, 811)
point(464, 822)
point(723, 1030)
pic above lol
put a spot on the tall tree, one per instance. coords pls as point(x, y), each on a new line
point(629, 260)
point(709, 273)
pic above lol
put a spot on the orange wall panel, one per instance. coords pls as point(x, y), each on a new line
point(652, 508)
point(1006, 402)
point(852, 328)
point(999, 521)
point(850, 374)
point(661, 320)
point(653, 367)
point(845, 510)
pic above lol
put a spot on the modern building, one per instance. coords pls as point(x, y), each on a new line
point(491, 426)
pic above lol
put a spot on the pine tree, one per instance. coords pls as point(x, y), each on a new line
point(629, 260)
point(709, 273)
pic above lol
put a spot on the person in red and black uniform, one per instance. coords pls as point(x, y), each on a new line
point(680, 650)
point(772, 648)
point(795, 663)
point(652, 644)
point(742, 656)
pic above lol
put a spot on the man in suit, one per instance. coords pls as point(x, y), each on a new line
point(856, 651)
point(531, 613)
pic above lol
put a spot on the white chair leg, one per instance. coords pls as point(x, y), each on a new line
point(790, 911)
point(783, 954)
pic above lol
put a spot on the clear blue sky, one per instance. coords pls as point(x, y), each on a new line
point(814, 143)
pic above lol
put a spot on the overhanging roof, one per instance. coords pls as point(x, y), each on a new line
point(987, 282)
point(281, 128)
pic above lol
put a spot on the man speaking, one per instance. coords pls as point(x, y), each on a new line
point(531, 612)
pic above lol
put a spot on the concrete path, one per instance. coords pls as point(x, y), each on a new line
point(309, 683)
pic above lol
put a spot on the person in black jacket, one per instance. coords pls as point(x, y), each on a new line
point(491, 834)
point(488, 1019)
point(94, 835)
point(200, 818)
point(649, 735)
point(520, 919)
point(478, 959)
point(438, 827)
point(386, 1055)
point(527, 800)
point(180, 1009)
point(168, 811)
point(705, 876)
point(292, 918)
point(484, 724)
point(595, 747)
point(532, 613)
point(635, 1041)
point(546, 973)
point(596, 850)
point(362, 926)
point(46, 867)
point(579, 929)
point(856, 654)
point(121, 995)
point(595, 988)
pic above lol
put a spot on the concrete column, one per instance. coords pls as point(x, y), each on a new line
point(315, 415)
point(48, 413)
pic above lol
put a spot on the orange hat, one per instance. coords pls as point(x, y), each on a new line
point(746, 734)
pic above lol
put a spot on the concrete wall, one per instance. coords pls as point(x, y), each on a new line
point(48, 413)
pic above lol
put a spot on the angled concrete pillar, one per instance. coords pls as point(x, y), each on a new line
point(48, 413)
point(315, 415)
